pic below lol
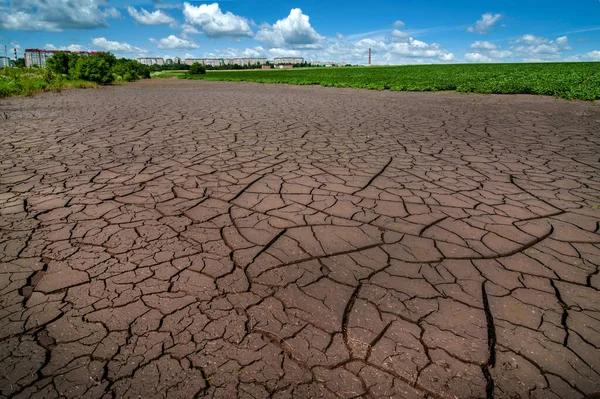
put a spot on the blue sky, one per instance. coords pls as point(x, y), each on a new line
point(399, 32)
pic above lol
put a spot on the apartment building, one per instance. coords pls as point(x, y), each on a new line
point(37, 57)
point(288, 60)
point(151, 61)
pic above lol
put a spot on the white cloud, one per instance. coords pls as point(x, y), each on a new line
point(399, 36)
point(173, 42)
point(145, 17)
point(398, 24)
point(281, 52)
point(485, 23)
point(293, 31)
point(70, 47)
point(374, 45)
point(477, 57)
point(230, 52)
point(214, 23)
point(416, 48)
point(531, 40)
point(536, 48)
point(562, 41)
point(189, 29)
point(108, 45)
point(55, 15)
point(483, 46)
point(385, 50)
point(112, 13)
point(591, 56)
point(500, 54)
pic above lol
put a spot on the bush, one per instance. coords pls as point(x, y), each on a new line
point(197, 69)
point(95, 68)
point(131, 70)
point(58, 63)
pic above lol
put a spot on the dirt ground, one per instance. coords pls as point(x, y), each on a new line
point(184, 239)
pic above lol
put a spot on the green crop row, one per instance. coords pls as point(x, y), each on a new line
point(565, 80)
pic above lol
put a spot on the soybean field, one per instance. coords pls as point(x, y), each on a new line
point(565, 80)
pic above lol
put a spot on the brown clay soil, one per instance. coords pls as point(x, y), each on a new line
point(182, 238)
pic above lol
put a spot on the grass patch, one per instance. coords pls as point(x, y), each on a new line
point(26, 82)
point(168, 74)
point(580, 80)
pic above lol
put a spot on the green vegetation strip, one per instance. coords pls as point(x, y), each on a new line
point(26, 82)
point(565, 80)
point(68, 70)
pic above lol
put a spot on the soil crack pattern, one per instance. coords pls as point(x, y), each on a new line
point(180, 239)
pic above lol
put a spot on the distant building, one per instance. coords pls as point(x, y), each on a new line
point(36, 57)
point(4, 62)
point(284, 66)
point(205, 61)
point(245, 61)
point(151, 61)
point(177, 60)
point(288, 60)
point(328, 63)
point(266, 67)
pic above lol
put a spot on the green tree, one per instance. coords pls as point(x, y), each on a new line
point(197, 69)
point(20, 63)
point(95, 68)
point(73, 58)
point(59, 63)
point(130, 70)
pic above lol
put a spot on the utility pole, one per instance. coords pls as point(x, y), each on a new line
point(5, 56)
point(15, 54)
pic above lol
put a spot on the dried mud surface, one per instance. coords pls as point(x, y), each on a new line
point(185, 239)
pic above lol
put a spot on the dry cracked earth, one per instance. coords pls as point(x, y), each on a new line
point(186, 239)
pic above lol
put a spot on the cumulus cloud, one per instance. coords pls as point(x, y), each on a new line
point(214, 23)
point(173, 42)
point(562, 41)
point(591, 56)
point(477, 57)
point(112, 13)
point(120, 47)
point(418, 48)
point(293, 31)
point(396, 48)
point(483, 46)
point(254, 52)
point(500, 54)
point(70, 47)
point(398, 24)
point(485, 23)
point(486, 52)
point(55, 15)
point(531, 40)
point(399, 36)
point(374, 45)
point(536, 48)
point(145, 17)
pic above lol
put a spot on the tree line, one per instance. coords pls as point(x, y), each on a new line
point(186, 67)
point(101, 68)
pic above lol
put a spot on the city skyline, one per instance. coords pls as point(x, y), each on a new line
point(404, 32)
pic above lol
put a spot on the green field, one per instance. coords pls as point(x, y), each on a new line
point(566, 80)
point(168, 74)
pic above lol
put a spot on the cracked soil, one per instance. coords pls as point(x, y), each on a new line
point(184, 239)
